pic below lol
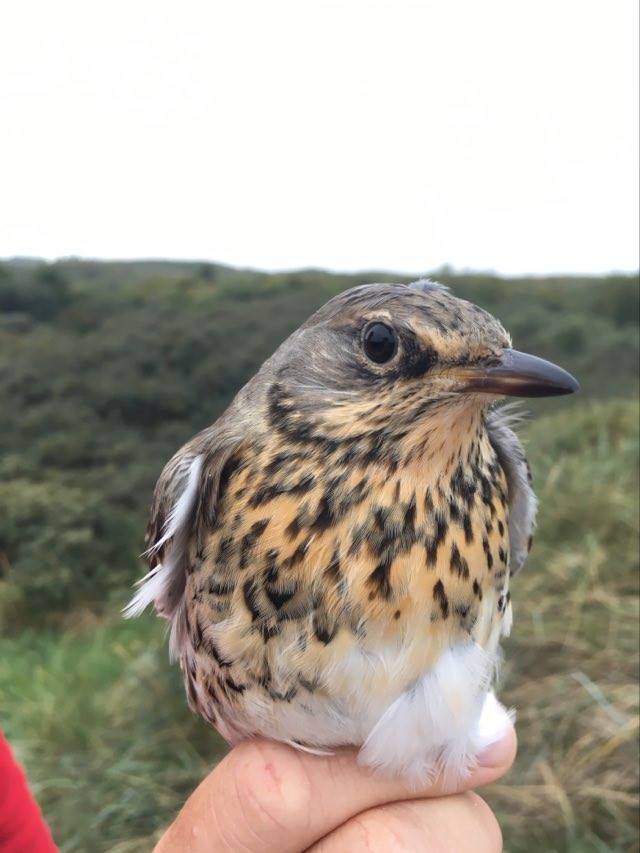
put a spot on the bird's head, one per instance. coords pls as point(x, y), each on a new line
point(390, 356)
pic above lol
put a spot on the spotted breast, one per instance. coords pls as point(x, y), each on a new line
point(334, 554)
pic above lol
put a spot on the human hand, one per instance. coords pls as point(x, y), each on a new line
point(269, 798)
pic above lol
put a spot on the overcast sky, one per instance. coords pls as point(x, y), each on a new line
point(282, 133)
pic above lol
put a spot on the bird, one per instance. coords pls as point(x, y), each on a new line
point(334, 553)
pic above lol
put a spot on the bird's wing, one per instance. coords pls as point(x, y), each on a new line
point(522, 499)
point(186, 495)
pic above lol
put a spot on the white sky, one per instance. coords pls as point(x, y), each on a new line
point(490, 134)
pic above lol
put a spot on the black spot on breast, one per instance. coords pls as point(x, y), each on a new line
point(269, 490)
point(279, 696)
point(271, 564)
point(232, 685)
point(279, 597)
point(379, 578)
point(477, 589)
point(225, 587)
point(264, 679)
point(431, 551)
point(249, 540)
point(487, 552)
point(321, 629)
point(441, 528)
point(410, 515)
point(268, 631)
point(292, 529)
point(303, 485)
point(224, 549)
point(250, 594)
point(458, 564)
point(486, 492)
point(500, 528)
point(375, 452)
point(428, 501)
point(462, 610)
point(211, 649)
point(231, 467)
point(380, 517)
point(278, 461)
point(468, 528)
point(454, 510)
point(298, 554)
point(352, 498)
point(324, 517)
point(433, 543)
point(310, 685)
point(462, 487)
point(349, 455)
point(440, 596)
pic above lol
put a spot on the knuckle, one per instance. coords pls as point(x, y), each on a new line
point(272, 787)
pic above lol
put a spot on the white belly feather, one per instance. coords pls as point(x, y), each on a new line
point(440, 722)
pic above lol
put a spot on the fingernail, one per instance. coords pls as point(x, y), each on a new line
point(499, 753)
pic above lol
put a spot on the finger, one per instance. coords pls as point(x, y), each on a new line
point(463, 822)
point(265, 796)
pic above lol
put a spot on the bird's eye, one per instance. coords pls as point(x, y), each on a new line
point(379, 342)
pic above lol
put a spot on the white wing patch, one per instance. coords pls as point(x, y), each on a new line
point(182, 508)
point(152, 586)
point(156, 583)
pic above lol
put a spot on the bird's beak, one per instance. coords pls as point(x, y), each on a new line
point(517, 374)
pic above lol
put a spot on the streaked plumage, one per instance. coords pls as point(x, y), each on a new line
point(334, 553)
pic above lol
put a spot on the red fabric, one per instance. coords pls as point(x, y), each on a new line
point(22, 827)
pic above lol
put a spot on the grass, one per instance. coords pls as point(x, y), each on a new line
point(572, 664)
point(99, 719)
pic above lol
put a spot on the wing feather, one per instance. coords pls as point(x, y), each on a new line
point(190, 480)
point(522, 500)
